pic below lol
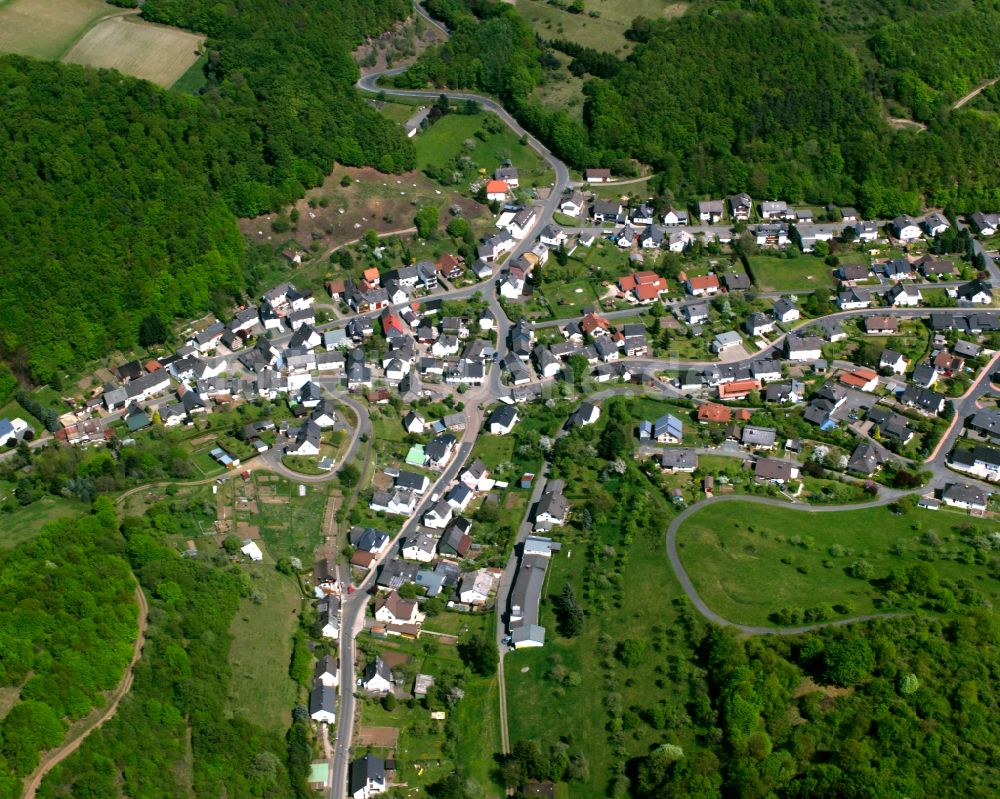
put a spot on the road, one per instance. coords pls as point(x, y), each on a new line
point(965, 98)
point(96, 719)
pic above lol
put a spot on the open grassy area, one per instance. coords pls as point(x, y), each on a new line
point(445, 140)
point(25, 523)
point(46, 29)
point(289, 524)
point(801, 273)
point(156, 53)
point(260, 688)
point(603, 31)
point(194, 78)
point(569, 299)
point(621, 577)
point(749, 560)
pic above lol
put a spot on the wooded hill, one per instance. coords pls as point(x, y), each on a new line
point(120, 199)
point(775, 98)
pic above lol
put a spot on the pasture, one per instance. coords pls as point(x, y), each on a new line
point(800, 273)
point(156, 53)
point(46, 29)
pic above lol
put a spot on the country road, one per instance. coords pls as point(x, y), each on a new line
point(54, 757)
point(975, 92)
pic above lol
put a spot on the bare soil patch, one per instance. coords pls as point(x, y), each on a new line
point(380, 737)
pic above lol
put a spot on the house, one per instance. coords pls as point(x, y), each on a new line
point(946, 363)
point(893, 361)
point(502, 420)
point(525, 594)
point(905, 228)
point(606, 211)
point(676, 460)
point(307, 440)
point(803, 348)
point(726, 341)
point(967, 349)
point(771, 234)
point(736, 281)
point(593, 324)
point(411, 481)
point(456, 539)
point(757, 324)
point(862, 379)
point(438, 516)
point(923, 399)
point(773, 209)
point(552, 236)
point(673, 217)
point(586, 414)
point(642, 287)
point(522, 222)
point(772, 470)
point(737, 389)
point(966, 496)
point(323, 704)
point(491, 249)
point(475, 587)
point(512, 284)
point(710, 211)
point(702, 285)
point(981, 461)
point(326, 672)
point(377, 677)
point(975, 292)
point(929, 266)
point(553, 507)
point(508, 174)
point(889, 425)
point(574, 204)
point(853, 300)
point(853, 272)
point(496, 190)
point(904, 296)
point(713, 413)
point(898, 269)
point(597, 175)
point(642, 214)
point(413, 422)
point(985, 224)
point(866, 459)
point(393, 609)
point(924, 375)
point(935, 223)
point(368, 539)
point(665, 430)
point(790, 392)
point(785, 311)
point(14, 430)
point(476, 476)
point(755, 437)
point(626, 237)
point(652, 238)
point(986, 422)
point(696, 313)
point(398, 502)
point(366, 777)
point(740, 206)
point(881, 325)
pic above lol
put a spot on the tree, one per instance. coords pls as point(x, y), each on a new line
point(152, 330)
point(426, 221)
point(349, 475)
point(480, 654)
point(562, 257)
point(614, 441)
point(569, 612)
point(631, 651)
point(371, 238)
point(847, 661)
point(458, 228)
point(442, 104)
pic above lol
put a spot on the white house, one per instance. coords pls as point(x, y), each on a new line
point(502, 420)
point(419, 548)
point(803, 348)
point(672, 217)
point(252, 551)
point(573, 205)
point(323, 704)
point(905, 228)
point(366, 777)
point(393, 609)
point(903, 295)
point(438, 516)
point(377, 678)
point(475, 587)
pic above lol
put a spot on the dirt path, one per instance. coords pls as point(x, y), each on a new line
point(983, 86)
point(900, 123)
point(54, 757)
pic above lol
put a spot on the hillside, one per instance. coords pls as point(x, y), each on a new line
point(786, 99)
point(121, 198)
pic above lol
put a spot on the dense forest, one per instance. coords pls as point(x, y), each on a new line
point(774, 98)
point(67, 627)
point(120, 198)
point(171, 736)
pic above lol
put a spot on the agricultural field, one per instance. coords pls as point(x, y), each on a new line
point(749, 561)
point(46, 29)
point(156, 53)
point(603, 24)
point(260, 688)
point(270, 508)
point(801, 273)
point(23, 523)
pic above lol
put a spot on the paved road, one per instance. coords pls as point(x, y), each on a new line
point(711, 615)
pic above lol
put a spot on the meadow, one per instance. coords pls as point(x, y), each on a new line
point(44, 29)
point(801, 273)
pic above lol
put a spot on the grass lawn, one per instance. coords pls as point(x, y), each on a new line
point(802, 273)
point(606, 32)
point(194, 78)
point(26, 522)
point(493, 450)
point(748, 560)
point(444, 141)
point(291, 525)
point(260, 688)
point(569, 299)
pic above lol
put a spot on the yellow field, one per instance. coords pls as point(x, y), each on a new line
point(154, 52)
point(605, 32)
point(47, 28)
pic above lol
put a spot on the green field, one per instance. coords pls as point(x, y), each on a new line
point(748, 560)
point(194, 78)
point(570, 299)
point(605, 31)
point(26, 522)
point(445, 140)
point(45, 29)
point(801, 273)
point(292, 526)
point(260, 688)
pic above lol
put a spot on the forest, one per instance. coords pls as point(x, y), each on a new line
point(771, 97)
point(67, 627)
point(172, 736)
point(120, 198)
